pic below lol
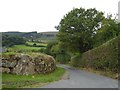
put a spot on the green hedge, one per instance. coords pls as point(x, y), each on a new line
point(104, 57)
point(74, 59)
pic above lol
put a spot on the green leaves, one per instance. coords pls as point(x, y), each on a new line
point(109, 29)
point(77, 28)
point(81, 30)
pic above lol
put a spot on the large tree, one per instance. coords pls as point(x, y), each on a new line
point(109, 29)
point(77, 28)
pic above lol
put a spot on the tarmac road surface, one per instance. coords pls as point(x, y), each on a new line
point(82, 79)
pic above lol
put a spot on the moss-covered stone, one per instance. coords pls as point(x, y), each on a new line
point(27, 64)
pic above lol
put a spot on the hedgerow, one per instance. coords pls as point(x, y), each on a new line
point(104, 57)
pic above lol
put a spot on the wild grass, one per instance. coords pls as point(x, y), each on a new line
point(20, 81)
point(8, 53)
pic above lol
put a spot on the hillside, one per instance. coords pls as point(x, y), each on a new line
point(33, 35)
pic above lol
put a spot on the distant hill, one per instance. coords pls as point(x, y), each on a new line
point(13, 33)
point(47, 36)
point(50, 33)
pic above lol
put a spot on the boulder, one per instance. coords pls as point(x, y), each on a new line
point(24, 66)
point(5, 70)
point(9, 61)
point(44, 64)
point(28, 64)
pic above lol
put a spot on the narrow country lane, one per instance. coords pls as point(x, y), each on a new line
point(83, 79)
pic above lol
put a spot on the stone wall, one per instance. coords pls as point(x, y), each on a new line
point(27, 64)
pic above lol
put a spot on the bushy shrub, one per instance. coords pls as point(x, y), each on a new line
point(49, 47)
point(63, 57)
point(42, 50)
point(58, 51)
point(34, 45)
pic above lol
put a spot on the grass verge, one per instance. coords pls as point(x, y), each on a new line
point(109, 74)
point(31, 81)
point(100, 72)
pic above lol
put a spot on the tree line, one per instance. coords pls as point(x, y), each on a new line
point(8, 40)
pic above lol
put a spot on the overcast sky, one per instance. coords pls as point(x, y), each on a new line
point(44, 15)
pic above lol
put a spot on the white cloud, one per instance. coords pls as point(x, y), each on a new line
point(43, 15)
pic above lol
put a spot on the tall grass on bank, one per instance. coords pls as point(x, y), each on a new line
point(20, 81)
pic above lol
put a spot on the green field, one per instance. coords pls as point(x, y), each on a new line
point(24, 48)
point(21, 81)
point(40, 44)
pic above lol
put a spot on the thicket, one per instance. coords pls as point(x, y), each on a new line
point(63, 57)
point(58, 51)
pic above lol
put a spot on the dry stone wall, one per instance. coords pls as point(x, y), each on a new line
point(27, 64)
